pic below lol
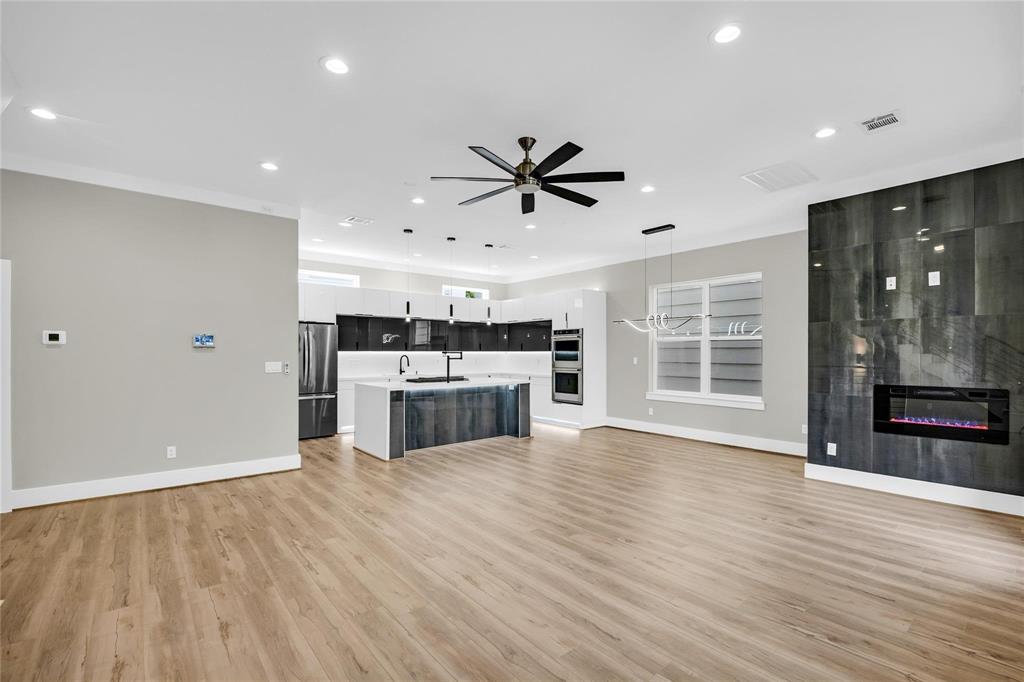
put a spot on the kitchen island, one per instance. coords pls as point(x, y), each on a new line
point(394, 417)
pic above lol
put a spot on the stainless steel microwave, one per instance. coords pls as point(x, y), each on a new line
point(567, 349)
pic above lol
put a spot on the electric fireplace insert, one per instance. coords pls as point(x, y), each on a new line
point(975, 414)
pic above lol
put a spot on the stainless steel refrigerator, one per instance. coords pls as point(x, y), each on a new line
point(318, 379)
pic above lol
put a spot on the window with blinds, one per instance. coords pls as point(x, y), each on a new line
point(717, 357)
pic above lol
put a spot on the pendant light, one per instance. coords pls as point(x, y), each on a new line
point(488, 247)
point(408, 273)
point(451, 276)
point(658, 322)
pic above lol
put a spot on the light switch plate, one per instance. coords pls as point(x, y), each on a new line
point(650, 411)
point(272, 367)
point(287, 367)
point(830, 449)
point(890, 283)
point(933, 278)
point(172, 451)
point(635, 360)
point(803, 429)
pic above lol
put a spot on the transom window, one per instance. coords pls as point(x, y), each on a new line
point(715, 360)
point(464, 292)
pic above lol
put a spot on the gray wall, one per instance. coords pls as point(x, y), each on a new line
point(781, 259)
point(377, 278)
point(130, 277)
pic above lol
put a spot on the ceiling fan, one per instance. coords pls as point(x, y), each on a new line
point(529, 178)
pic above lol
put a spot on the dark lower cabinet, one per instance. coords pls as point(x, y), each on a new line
point(364, 333)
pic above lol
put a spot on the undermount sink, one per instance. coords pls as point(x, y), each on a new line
point(434, 380)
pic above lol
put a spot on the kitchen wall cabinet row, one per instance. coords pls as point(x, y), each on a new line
point(366, 333)
point(323, 302)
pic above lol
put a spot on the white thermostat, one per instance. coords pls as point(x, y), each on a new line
point(54, 338)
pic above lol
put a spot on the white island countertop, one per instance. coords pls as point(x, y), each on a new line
point(403, 385)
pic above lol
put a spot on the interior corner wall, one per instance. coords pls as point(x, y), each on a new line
point(782, 261)
point(131, 277)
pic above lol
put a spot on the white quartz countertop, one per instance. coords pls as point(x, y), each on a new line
point(402, 385)
point(501, 377)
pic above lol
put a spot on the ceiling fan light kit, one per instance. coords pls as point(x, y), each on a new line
point(528, 177)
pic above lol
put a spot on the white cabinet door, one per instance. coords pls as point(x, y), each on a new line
point(348, 300)
point(318, 303)
point(554, 307)
point(512, 310)
point(540, 397)
point(346, 407)
point(477, 309)
point(574, 308)
point(376, 302)
point(495, 308)
point(302, 300)
point(420, 305)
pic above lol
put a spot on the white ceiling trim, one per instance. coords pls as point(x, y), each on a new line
point(96, 176)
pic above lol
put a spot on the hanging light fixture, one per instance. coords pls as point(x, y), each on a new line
point(488, 247)
point(408, 273)
point(451, 276)
point(657, 322)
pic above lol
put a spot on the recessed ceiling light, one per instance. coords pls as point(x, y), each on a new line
point(43, 113)
point(534, 257)
point(334, 65)
point(417, 200)
point(344, 224)
point(317, 239)
point(825, 132)
point(647, 188)
point(899, 208)
point(727, 33)
point(817, 265)
point(531, 227)
point(268, 165)
point(939, 248)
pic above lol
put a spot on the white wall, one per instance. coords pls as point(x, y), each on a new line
point(131, 277)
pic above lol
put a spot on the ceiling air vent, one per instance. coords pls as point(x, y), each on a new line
point(356, 220)
point(878, 122)
point(780, 176)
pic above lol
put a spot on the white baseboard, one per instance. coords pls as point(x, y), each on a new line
point(347, 429)
point(784, 447)
point(81, 490)
point(556, 422)
point(925, 490)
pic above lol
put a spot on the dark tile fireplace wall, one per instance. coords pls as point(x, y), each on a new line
point(966, 332)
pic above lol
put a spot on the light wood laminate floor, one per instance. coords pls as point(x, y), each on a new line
point(597, 555)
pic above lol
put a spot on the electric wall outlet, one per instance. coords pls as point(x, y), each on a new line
point(272, 367)
point(890, 283)
point(172, 451)
point(287, 368)
point(934, 278)
point(830, 449)
point(803, 429)
point(650, 411)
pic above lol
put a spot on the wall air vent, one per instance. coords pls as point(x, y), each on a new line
point(878, 122)
point(780, 176)
point(357, 220)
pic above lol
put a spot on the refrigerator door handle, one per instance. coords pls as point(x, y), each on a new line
point(318, 396)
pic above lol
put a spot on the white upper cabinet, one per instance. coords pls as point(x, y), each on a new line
point(348, 300)
point(513, 310)
point(376, 302)
point(420, 305)
point(574, 309)
point(477, 309)
point(317, 302)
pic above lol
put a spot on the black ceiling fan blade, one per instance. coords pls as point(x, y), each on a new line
point(556, 159)
point(447, 177)
point(568, 194)
point(597, 176)
point(495, 159)
point(528, 202)
point(486, 195)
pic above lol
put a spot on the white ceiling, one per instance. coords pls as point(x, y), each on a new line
point(198, 94)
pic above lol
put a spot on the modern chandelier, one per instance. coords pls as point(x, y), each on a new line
point(659, 322)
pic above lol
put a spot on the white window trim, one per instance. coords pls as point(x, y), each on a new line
point(335, 279)
point(705, 396)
